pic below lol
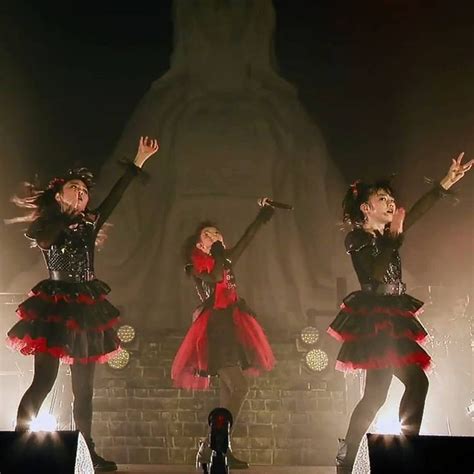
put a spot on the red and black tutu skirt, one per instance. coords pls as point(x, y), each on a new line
point(379, 331)
point(68, 320)
point(220, 338)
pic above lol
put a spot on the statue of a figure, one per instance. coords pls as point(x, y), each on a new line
point(231, 130)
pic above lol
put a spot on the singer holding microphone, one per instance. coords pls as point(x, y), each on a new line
point(225, 339)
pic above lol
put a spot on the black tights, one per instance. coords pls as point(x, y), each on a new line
point(376, 389)
point(233, 388)
point(46, 371)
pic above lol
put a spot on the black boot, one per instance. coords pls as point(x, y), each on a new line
point(203, 456)
point(345, 457)
point(100, 464)
point(235, 463)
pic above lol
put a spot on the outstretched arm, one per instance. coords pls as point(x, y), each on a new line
point(456, 171)
point(263, 216)
point(377, 266)
point(146, 148)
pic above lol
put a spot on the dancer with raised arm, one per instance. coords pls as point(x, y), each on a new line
point(378, 324)
point(67, 316)
point(225, 339)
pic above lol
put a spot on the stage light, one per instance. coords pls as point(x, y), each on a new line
point(126, 333)
point(58, 452)
point(387, 424)
point(44, 422)
point(309, 335)
point(316, 360)
point(120, 360)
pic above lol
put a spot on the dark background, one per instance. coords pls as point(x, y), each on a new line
point(390, 83)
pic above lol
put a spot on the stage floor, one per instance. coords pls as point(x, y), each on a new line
point(137, 469)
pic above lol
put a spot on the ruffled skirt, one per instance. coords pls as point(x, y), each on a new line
point(71, 321)
point(221, 338)
point(379, 332)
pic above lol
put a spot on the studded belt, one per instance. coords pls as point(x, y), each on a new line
point(68, 276)
point(385, 288)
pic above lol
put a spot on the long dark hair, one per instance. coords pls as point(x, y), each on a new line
point(42, 200)
point(191, 241)
point(359, 193)
point(38, 201)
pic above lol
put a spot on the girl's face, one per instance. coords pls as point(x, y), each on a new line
point(75, 193)
point(379, 208)
point(209, 235)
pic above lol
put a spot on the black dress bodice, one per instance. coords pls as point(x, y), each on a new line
point(378, 325)
point(206, 289)
point(205, 284)
point(73, 255)
point(68, 242)
point(375, 257)
point(364, 249)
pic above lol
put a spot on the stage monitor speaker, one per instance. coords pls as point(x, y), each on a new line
point(421, 454)
point(57, 452)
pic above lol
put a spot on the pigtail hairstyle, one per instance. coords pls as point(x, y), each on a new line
point(357, 194)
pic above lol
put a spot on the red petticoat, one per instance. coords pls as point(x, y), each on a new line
point(30, 315)
point(389, 359)
point(56, 298)
point(379, 331)
point(386, 326)
point(70, 321)
point(29, 346)
point(191, 360)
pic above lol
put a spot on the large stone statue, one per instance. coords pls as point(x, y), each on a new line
point(231, 130)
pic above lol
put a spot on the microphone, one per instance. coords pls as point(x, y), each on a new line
point(280, 205)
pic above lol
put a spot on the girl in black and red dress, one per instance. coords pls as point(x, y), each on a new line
point(67, 316)
point(378, 324)
point(225, 339)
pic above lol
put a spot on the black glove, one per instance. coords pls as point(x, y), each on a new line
point(140, 172)
point(217, 250)
point(266, 213)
